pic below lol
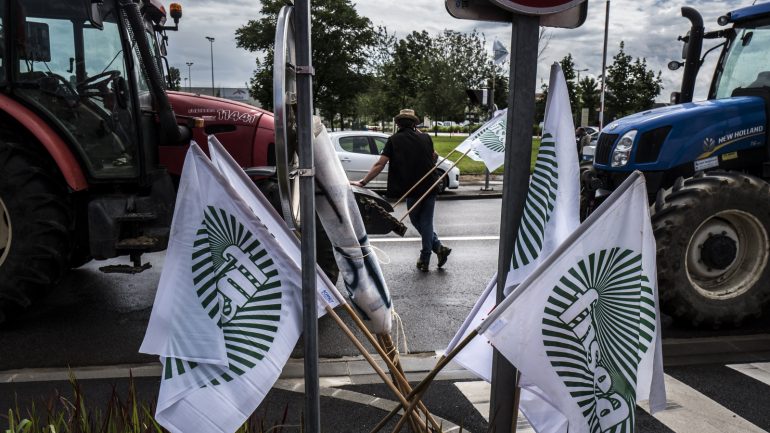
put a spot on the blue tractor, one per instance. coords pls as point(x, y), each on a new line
point(707, 167)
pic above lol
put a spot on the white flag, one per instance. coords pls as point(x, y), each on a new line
point(228, 309)
point(550, 215)
point(327, 294)
point(487, 144)
point(499, 52)
point(338, 211)
point(584, 327)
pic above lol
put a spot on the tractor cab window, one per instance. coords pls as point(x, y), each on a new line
point(76, 75)
point(747, 64)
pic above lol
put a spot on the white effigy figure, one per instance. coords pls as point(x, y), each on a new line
point(341, 219)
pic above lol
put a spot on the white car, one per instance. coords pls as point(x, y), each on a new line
point(359, 150)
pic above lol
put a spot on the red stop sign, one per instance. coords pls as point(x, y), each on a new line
point(537, 7)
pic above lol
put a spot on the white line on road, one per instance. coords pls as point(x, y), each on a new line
point(759, 371)
point(689, 411)
point(443, 238)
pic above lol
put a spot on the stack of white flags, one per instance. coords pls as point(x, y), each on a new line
point(228, 309)
point(584, 328)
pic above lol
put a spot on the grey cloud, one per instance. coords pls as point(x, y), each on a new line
point(648, 27)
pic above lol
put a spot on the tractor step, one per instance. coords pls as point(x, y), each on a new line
point(137, 217)
point(141, 243)
point(136, 268)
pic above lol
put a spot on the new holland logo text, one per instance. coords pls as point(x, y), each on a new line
point(239, 287)
point(599, 322)
point(741, 133)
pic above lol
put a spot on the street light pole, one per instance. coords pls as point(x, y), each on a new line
point(212, 64)
point(580, 104)
point(604, 66)
point(189, 76)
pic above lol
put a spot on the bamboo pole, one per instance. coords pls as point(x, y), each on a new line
point(435, 167)
point(333, 314)
point(423, 385)
point(441, 178)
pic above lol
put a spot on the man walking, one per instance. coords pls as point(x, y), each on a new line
point(411, 156)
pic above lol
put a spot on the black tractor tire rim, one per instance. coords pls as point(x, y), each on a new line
point(726, 255)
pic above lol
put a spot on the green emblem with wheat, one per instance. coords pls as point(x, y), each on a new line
point(598, 323)
point(239, 287)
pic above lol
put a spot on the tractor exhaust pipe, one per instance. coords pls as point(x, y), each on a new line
point(693, 47)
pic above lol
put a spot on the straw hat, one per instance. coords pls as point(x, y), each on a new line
point(407, 113)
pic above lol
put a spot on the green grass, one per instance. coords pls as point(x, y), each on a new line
point(445, 144)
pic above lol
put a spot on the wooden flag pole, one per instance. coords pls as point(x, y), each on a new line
point(373, 363)
point(440, 179)
point(423, 385)
point(387, 343)
point(435, 167)
point(391, 366)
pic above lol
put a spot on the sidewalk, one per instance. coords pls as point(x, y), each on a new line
point(472, 187)
point(353, 397)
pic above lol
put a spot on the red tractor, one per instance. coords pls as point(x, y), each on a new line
point(91, 140)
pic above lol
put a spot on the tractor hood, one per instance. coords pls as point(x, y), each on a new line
point(211, 108)
point(668, 137)
point(247, 132)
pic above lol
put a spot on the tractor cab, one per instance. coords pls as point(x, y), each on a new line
point(81, 67)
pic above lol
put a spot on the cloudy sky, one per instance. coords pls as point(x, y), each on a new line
point(648, 27)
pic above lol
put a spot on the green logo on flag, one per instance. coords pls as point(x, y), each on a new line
point(538, 207)
point(494, 137)
point(599, 321)
point(238, 286)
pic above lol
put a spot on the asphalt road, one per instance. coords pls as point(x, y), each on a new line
point(99, 319)
point(94, 318)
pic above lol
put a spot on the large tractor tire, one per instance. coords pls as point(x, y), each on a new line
point(35, 224)
point(712, 233)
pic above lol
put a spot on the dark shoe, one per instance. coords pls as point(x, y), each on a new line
point(423, 266)
point(443, 254)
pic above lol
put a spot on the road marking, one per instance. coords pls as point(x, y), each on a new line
point(689, 411)
point(477, 393)
point(450, 238)
point(759, 371)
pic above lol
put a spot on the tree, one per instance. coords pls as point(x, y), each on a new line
point(174, 78)
point(568, 67)
point(341, 40)
point(589, 97)
point(631, 87)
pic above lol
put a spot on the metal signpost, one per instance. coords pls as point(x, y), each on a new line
point(526, 17)
point(293, 107)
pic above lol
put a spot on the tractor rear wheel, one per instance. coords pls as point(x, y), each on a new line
point(35, 223)
point(713, 242)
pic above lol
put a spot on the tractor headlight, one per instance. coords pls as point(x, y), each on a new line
point(622, 152)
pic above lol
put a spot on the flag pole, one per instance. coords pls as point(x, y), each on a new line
point(307, 212)
point(417, 392)
point(383, 354)
point(404, 402)
point(440, 179)
point(435, 167)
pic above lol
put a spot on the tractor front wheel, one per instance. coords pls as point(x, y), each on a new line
point(35, 223)
point(713, 241)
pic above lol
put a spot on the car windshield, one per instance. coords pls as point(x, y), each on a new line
point(747, 63)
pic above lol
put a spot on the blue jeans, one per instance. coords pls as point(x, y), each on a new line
point(422, 220)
